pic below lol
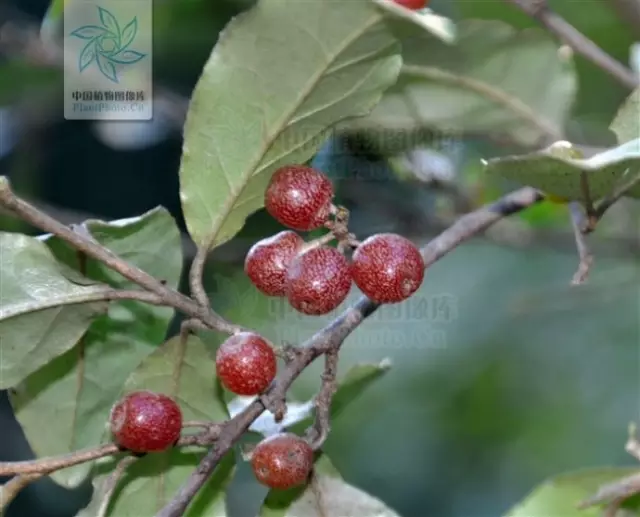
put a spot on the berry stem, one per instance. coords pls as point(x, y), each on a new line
point(317, 243)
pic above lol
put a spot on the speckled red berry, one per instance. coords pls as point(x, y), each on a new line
point(414, 5)
point(143, 421)
point(318, 280)
point(299, 197)
point(267, 261)
point(282, 461)
point(246, 364)
point(387, 268)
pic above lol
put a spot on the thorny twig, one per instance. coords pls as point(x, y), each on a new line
point(111, 484)
point(558, 26)
point(331, 338)
point(584, 254)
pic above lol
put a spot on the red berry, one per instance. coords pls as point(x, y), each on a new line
point(387, 268)
point(144, 421)
point(318, 280)
point(299, 197)
point(246, 364)
point(282, 461)
point(267, 261)
point(414, 5)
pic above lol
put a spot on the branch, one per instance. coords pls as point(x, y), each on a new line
point(584, 254)
point(91, 248)
point(614, 493)
point(320, 430)
point(12, 488)
point(331, 338)
point(43, 466)
point(558, 26)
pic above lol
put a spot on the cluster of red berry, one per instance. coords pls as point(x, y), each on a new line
point(315, 279)
point(144, 421)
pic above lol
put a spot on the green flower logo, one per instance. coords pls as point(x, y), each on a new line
point(107, 45)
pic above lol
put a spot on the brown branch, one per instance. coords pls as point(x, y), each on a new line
point(91, 248)
point(584, 254)
point(320, 431)
point(614, 493)
point(47, 465)
point(13, 487)
point(42, 466)
point(558, 26)
point(331, 338)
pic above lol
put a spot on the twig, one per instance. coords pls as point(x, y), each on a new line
point(540, 11)
point(612, 508)
point(96, 251)
point(43, 466)
point(12, 488)
point(332, 337)
point(584, 254)
point(111, 483)
point(320, 431)
point(611, 492)
point(47, 465)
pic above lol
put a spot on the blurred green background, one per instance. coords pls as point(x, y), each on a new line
point(502, 373)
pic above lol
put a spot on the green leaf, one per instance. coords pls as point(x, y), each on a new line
point(42, 313)
point(561, 495)
point(64, 405)
point(626, 124)
point(187, 374)
point(355, 382)
point(547, 171)
point(279, 77)
point(495, 81)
